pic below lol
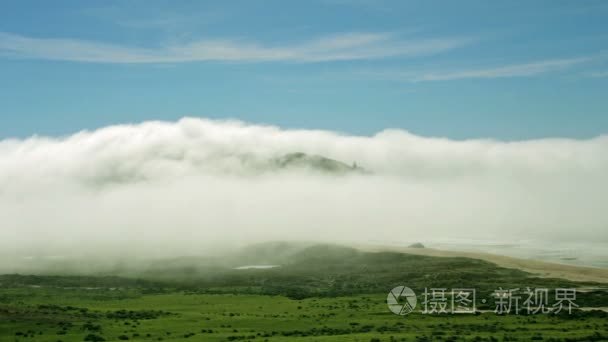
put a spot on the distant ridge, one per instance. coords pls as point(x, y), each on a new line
point(315, 162)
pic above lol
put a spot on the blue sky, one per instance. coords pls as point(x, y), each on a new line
point(469, 69)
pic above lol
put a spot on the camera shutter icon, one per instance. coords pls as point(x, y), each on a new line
point(401, 300)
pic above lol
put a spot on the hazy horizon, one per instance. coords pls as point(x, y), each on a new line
point(172, 188)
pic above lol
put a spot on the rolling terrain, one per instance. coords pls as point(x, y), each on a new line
point(316, 292)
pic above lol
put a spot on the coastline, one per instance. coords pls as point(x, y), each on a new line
point(535, 267)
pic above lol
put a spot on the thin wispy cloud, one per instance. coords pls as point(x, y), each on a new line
point(514, 70)
point(349, 46)
point(506, 71)
point(599, 74)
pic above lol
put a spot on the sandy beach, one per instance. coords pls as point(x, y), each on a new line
point(537, 268)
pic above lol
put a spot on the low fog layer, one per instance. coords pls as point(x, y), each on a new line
point(182, 188)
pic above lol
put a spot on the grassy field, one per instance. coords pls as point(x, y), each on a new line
point(63, 315)
point(322, 293)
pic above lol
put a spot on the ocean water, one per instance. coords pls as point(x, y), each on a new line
point(593, 254)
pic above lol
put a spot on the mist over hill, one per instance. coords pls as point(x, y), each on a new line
point(314, 162)
point(159, 189)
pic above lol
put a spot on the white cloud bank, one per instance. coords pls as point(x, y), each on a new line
point(347, 46)
point(163, 188)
